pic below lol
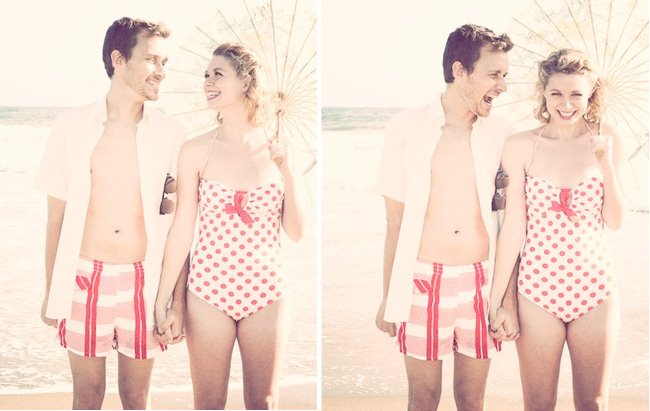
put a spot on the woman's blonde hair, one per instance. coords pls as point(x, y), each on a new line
point(249, 69)
point(568, 61)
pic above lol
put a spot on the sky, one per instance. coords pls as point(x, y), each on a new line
point(379, 53)
point(52, 50)
point(373, 52)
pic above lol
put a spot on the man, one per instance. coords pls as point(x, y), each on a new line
point(437, 176)
point(104, 171)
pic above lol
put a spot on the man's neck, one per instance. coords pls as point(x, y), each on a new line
point(457, 113)
point(122, 107)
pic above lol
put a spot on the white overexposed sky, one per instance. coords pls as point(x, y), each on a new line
point(374, 52)
point(381, 53)
point(52, 50)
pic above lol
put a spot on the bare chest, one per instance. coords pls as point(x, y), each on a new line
point(114, 160)
point(452, 166)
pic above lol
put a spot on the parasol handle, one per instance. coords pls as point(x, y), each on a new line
point(600, 152)
point(278, 114)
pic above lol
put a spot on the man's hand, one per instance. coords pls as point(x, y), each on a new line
point(504, 324)
point(384, 326)
point(169, 326)
point(48, 321)
point(177, 317)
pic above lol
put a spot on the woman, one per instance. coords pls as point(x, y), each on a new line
point(244, 190)
point(564, 187)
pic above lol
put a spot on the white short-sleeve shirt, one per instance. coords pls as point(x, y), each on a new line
point(405, 175)
point(64, 173)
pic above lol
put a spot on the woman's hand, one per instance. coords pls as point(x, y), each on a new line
point(601, 146)
point(169, 325)
point(279, 152)
point(504, 324)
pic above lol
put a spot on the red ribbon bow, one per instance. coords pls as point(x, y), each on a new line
point(237, 207)
point(564, 204)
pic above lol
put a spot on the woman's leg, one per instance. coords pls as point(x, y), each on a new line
point(592, 343)
point(262, 338)
point(210, 338)
point(540, 349)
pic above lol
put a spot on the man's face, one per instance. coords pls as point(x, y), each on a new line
point(146, 68)
point(486, 82)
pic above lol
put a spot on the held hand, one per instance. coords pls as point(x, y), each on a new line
point(511, 323)
point(279, 153)
point(163, 332)
point(496, 321)
point(384, 326)
point(48, 321)
point(178, 333)
point(504, 324)
point(601, 146)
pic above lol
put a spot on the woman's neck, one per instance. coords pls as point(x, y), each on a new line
point(556, 131)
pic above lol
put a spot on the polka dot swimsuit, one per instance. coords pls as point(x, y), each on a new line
point(564, 266)
point(236, 265)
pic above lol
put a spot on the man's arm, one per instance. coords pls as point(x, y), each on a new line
point(394, 213)
point(55, 213)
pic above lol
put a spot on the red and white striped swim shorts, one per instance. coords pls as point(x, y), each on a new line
point(109, 312)
point(448, 313)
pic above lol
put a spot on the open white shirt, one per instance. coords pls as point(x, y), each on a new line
point(65, 174)
point(405, 175)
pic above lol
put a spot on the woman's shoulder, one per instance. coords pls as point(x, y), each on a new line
point(523, 138)
point(200, 141)
point(197, 147)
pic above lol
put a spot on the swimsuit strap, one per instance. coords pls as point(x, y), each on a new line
point(209, 151)
point(532, 156)
point(589, 128)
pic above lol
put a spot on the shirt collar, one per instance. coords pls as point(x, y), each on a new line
point(99, 110)
point(436, 113)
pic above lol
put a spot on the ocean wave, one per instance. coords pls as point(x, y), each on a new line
point(351, 118)
point(31, 116)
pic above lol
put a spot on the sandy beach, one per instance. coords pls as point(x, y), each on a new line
point(362, 369)
point(292, 397)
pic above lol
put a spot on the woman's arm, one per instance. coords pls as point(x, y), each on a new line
point(181, 234)
point(614, 167)
point(513, 230)
point(293, 207)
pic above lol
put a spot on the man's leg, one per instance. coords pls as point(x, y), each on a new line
point(134, 377)
point(470, 376)
point(88, 381)
point(425, 382)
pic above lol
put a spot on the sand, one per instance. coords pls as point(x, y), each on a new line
point(292, 397)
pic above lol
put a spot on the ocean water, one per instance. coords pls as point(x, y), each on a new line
point(29, 116)
point(30, 359)
point(358, 118)
point(360, 361)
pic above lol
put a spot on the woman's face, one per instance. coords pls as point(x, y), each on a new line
point(222, 85)
point(567, 97)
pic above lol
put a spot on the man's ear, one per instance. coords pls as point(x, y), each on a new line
point(117, 59)
point(458, 70)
